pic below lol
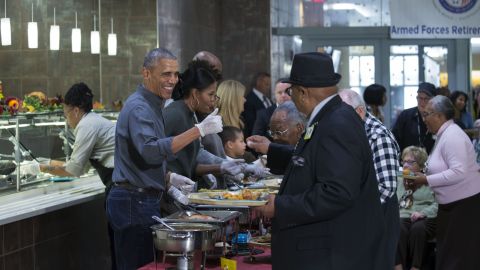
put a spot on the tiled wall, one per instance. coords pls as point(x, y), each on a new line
point(24, 70)
point(71, 238)
point(237, 31)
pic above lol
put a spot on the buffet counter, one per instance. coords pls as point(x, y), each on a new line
point(49, 196)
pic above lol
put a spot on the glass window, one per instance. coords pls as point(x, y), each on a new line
point(355, 63)
point(321, 13)
point(475, 45)
point(404, 78)
point(435, 61)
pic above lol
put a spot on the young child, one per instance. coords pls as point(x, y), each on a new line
point(233, 142)
point(234, 146)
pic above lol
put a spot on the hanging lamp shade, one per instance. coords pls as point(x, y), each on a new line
point(76, 38)
point(32, 31)
point(5, 29)
point(32, 35)
point(94, 38)
point(112, 41)
point(54, 35)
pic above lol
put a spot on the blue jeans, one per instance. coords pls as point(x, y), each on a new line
point(130, 215)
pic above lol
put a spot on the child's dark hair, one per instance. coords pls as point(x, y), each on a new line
point(80, 95)
point(199, 74)
point(229, 134)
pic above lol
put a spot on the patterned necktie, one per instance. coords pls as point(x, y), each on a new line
point(266, 102)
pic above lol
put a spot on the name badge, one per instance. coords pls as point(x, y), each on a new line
point(308, 133)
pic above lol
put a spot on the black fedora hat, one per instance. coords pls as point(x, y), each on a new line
point(313, 69)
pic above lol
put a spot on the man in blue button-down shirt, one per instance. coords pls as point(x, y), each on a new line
point(141, 151)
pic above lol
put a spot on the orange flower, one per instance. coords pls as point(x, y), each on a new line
point(14, 104)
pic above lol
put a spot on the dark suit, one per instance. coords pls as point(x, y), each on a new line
point(262, 123)
point(252, 105)
point(278, 157)
point(406, 130)
point(327, 212)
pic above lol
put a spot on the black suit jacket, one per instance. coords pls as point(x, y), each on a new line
point(327, 212)
point(252, 105)
point(278, 157)
point(262, 123)
point(406, 130)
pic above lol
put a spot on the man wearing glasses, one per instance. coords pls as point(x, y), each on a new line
point(327, 214)
point(409, 129)
point(286, 126)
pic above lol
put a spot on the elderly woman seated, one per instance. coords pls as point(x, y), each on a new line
point(418, 210)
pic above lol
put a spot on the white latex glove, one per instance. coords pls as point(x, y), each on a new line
point(31, 167)
point(257, 170)
point(211, 181)
point(232, 167)
point(184, 184)
point(212, 124)
point(177, 195)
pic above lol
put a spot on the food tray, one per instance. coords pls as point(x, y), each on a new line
point(273, 183)
point(221, 216)
point(204, 198)
point(260, 241)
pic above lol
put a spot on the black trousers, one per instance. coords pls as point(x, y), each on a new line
point(392, 227)
point(412, 241)
point(458, 235)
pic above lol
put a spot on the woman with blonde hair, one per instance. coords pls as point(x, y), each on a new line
point(230, 104)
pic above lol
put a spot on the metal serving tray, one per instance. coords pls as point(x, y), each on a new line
point(221, 216)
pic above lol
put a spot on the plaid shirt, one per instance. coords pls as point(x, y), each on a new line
point(385, 156)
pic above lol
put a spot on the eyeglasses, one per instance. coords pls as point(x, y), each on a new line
point(426, 114)
point(289, 91)
point(419, 98)
point(277, 133)
point(409, 162)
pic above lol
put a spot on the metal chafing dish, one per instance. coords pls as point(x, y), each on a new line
point(218, 217)
point(221, 218)
point(186, 237)
point(190, 240)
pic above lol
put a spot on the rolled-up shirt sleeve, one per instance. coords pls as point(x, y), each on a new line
point(82, 149)
point(146, 140)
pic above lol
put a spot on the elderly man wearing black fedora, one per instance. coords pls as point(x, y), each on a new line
point(327, 214)
point(409, 129)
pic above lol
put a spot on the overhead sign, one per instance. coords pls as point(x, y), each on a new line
point(435, 19)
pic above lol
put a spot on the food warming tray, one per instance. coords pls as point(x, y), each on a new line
point(220, 216)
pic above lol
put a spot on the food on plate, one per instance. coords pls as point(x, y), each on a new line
point(244, 194)
point(262, 239)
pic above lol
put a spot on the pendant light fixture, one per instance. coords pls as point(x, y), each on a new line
point(32, 33)
point(112, 41)
point(76, 37)
point(6, 29)
point(54, 34)
point(95, 38)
